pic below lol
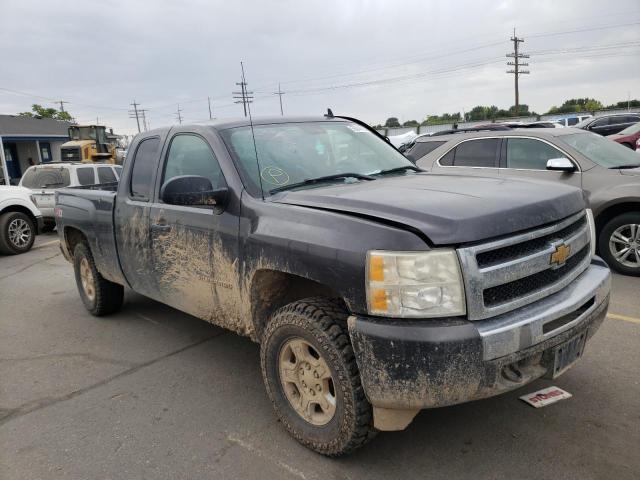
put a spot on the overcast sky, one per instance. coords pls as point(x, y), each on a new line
point(370, 59)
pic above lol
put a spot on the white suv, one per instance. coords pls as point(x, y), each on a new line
point(43, 180)
point(20, 220)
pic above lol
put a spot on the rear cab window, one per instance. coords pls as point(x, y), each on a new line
point(144, 163)
point(46, 177)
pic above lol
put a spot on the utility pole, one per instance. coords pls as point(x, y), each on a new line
point(61, 102)
point(280, 93)
point(135, 114)
point(243, 96)
point(516, 64)
point(178, 115)
point(145, 124)
point(209, 100)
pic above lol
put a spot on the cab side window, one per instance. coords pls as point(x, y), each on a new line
point(190, 154)
point(474, 153)
point(143, 166)
point(530, 154)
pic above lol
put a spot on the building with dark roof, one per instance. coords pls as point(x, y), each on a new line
point(26, 141)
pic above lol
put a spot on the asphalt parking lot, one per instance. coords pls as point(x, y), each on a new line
point(153, 393)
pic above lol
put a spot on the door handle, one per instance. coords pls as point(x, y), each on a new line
point(160, 227)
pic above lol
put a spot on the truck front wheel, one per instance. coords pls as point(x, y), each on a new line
point(100, 296)
point(312, 379)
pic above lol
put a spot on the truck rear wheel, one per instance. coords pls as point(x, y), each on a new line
point(17, 233)
point(312, 379)
point(100, 296)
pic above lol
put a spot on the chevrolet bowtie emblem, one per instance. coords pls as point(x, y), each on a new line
point(560, 255)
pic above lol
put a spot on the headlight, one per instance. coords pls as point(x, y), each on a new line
point(592, 231)
point(414, 284)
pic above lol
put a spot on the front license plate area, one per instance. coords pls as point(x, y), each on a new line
point(566, 354)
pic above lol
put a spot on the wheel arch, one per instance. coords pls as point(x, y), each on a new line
point(612, 211)
point(273, 289)
point(21, 209)
point(72, 237)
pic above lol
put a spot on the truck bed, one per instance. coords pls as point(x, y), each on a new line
point(89, 209)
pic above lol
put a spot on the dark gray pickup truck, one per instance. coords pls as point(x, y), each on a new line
point(373, 288)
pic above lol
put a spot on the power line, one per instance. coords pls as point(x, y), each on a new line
point(396, 63)
point(516, 64)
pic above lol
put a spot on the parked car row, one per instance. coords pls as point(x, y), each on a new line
point(608, 173)
point(609, 124)
point(44, 180)
point(28, 209)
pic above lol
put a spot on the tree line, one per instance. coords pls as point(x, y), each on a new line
point(484, 112)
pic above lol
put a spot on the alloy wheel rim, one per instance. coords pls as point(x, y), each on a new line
point(624, 245)
point(307, 381)
point(86, 278)
point(19, 233)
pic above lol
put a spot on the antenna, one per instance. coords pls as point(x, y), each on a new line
point(255, 148)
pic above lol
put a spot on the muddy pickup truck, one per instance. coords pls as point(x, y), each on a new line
point(374, 289)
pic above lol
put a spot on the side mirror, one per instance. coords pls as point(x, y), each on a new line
point(194, 191)
point(561, 164)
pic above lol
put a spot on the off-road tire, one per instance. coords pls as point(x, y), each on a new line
point(6, 245)
point(322, 323)
point(605, 235)
point(108, 296)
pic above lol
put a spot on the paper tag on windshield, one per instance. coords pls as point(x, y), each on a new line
point(545, 397)
point(356, 128)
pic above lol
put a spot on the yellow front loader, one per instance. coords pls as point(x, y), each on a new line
point(88, 144)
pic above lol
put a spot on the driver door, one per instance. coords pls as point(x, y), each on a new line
point(195, 248)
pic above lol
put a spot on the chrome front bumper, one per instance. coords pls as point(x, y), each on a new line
point(414, 364)
point(525, 327)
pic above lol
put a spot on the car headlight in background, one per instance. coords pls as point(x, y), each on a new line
point(592, 231)
point(414, 284)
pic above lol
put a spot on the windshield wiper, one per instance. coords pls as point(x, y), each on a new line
point(326, 178)
point(633, 165)
point(399, 169)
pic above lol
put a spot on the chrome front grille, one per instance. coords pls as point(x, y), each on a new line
point(506, 274)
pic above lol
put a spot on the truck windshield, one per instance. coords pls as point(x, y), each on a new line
point(292, 153)
point(45, 177)
point(601, 150)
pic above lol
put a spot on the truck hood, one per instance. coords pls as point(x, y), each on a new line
point(447, 209)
